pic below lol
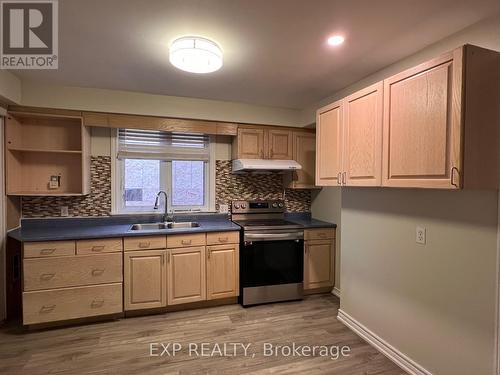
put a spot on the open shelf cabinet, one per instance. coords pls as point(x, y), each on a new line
point(39, 146)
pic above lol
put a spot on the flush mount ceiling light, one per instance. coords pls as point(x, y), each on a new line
point(195, 55)
point(335, 40)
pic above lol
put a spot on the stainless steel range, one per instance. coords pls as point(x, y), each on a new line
point(271, 253)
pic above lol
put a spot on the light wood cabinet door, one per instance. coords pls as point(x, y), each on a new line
point(249, 144)
point(222, 271)
point(304, 153)
point(186, 275)
point(329, 143)
point(422, 125)
point(363, 137)
point(319, 264)
point(145, 276)
point(279, 145)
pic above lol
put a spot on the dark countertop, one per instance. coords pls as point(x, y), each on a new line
point(119, 226)
point(307, 221)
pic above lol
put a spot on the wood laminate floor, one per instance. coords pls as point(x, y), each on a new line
point(123, 346)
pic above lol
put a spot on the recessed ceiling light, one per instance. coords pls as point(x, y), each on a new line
point(195, 55)
point(335, 40)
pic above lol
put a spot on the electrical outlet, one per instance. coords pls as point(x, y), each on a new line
point(64, 211)
point(223, 208)
point(420, 235)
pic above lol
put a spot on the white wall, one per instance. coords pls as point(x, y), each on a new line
point(10, 88)
point(90, 99)
point(435, 303)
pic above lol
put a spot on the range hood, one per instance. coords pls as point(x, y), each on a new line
point(264, 165)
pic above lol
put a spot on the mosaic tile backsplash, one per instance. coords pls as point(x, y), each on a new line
point(246, 186)
point(228, 187)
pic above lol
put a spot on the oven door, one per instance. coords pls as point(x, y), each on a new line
point(272, 258)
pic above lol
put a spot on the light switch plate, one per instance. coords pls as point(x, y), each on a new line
point(223, 208)
point(420, 235)
point(64, 211)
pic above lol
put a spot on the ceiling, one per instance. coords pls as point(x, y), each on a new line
point(274, 50)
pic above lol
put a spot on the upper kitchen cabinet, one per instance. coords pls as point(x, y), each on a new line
point(329, 145)
point(47, 154)
point(362, 159)
point(249, 144)
point(304, 153)
point(441, 127)
point(423, 124)
point(279, 145)
point(255, 142)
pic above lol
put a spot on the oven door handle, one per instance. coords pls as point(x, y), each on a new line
point(274, 236)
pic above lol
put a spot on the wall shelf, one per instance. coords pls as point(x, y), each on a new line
point(39, 146)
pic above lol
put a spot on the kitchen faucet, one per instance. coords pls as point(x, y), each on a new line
point(157, 201)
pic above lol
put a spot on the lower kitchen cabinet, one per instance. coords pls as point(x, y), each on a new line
point(319, 259)
point(186, 275)
point(145, 279)
point(222, 271)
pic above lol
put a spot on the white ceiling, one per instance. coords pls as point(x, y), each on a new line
point(274, 50)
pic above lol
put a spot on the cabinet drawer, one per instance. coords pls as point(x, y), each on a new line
point(319, 234)
point(79, 270)
point(144, 243)
point(48, 249)
point(71, 303)
point(186, 240)
point(221, 238)
point(96, 246)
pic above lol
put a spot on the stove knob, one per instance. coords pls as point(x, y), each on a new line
point(275, 205)
point(281, 205)
point(236, 205)
point(243, 205)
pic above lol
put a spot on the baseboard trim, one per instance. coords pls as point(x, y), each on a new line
point(336, 292)
point(399, 358)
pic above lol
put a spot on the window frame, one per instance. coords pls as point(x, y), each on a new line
point(117, 182)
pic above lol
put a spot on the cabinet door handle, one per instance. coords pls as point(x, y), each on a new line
point(144, 245)
point(261, 153)
point(98, 248)
point(47, 251)
point(97, 303)
point(186, 242)
point(97, 271)
point(344, 178)
point(339, 178)
point(271, 153)
point(47, 276)
point(47, 308)
point(208, 253)
point(452, 177)
point(162, 258)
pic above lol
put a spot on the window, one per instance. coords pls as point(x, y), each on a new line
point(148, 161)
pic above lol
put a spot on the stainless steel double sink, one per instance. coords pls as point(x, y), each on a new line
point(168, 225)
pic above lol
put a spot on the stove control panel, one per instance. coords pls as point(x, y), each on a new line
point(257, 206)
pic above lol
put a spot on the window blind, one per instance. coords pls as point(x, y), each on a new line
point(159, 145)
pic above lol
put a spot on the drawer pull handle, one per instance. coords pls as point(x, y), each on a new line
point(223, 239)
point(144, 245)
point(98, 248)
point(97, 272)
point(97, 303)
point(47, 276)
point(186, 242)
point(47, 308)
point(47, 251)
